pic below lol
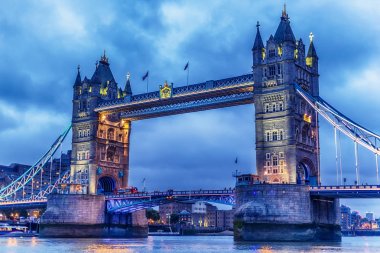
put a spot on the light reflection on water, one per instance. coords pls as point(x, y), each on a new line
point(188, 244)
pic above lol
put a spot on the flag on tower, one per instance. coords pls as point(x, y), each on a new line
point(145, 76)
point(186, 66)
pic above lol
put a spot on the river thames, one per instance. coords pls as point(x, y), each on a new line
point(187, 244)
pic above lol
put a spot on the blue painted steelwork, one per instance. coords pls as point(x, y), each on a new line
point(132, 202)
point(183, 91)
point(347, 191)
point(25, 178)
point(187, 105)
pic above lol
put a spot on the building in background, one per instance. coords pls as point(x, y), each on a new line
point(369, 216)
point(345, 220)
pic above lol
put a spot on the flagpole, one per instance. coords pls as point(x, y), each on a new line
point(147, 83)
point(188, 69)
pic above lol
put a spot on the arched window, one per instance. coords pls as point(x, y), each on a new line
point(268, 136)
point(111, 134)
point(281, 135)
point(280, 106)
point(274, 161)
point(80, 133)
point(274, 134)
point(266, 107)
point(273, 107)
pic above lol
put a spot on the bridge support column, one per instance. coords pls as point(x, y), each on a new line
point(80, 215)
point(284, 212)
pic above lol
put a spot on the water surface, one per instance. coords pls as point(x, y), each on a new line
point(189, 244)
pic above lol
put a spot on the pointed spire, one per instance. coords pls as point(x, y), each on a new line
point(312, 52)
point(284, 14)
point(78, 80)
point(258, 44)
point(284, 31)
point(104, 58)
point(127, 88)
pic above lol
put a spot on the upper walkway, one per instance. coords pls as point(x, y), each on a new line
point(196, 97)
point(346, 191)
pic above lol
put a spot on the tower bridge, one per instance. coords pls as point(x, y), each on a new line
point(287, 198)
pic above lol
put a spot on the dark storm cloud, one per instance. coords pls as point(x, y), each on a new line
point(42, 42)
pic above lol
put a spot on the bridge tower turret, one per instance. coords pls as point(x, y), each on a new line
point(286, 127)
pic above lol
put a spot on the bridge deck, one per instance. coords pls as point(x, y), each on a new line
point(348, 191)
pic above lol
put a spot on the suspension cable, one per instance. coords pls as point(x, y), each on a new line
point(340, 159)
point(377, 170)
point(336, 156)
point(356, 163)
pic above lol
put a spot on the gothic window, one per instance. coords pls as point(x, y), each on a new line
point(80, 133)
point(274, 135)
point(278, 69)
point(117, 159)
point(272, 53)
point(88, 132)
point(101, 134)
point(111, 134)
point(281, 154)
point(272, 70)
point(120, 137)
point(281, 106)
point(266, 107)
point(78, 156)
point(267, 156)
point(268, 136)
point(273, 107)
point(103, 156)
point(267, 163)
point(281, 135)
point(282, 163)
point(274, 161)
point(87, 155)
point(83, 156)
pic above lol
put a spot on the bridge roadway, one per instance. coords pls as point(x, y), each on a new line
point(138, 201)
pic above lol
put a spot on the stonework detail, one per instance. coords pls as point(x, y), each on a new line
point(284, 123)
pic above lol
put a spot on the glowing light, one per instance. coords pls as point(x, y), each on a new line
point(279, 50)
point(309, 61)
point(296, 53)
point(263, 53)
point(307, 118)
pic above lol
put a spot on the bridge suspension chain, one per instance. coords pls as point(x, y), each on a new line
point(357, 133)
point(32, 172)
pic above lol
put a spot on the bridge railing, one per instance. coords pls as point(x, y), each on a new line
point(346, 187)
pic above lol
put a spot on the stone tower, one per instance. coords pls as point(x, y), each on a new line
point(100, 141)
point(286, 126)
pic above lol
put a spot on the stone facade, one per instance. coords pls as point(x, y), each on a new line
point(100, 142)
point(286, 126)
point(83, 215)
point(284, 212)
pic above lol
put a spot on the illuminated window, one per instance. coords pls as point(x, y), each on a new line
point(111, 134)
point(120, 137)
point(267, 156)
point(101, 134)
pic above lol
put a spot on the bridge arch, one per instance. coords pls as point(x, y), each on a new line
point(305, 171)
point(106, 184)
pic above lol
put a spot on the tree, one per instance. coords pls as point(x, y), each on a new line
point(174, 218)
point(152, 214)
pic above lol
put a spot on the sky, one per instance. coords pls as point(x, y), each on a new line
point(42, 43)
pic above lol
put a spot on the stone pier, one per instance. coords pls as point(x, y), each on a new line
point(84, 216)
point(284, 212)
